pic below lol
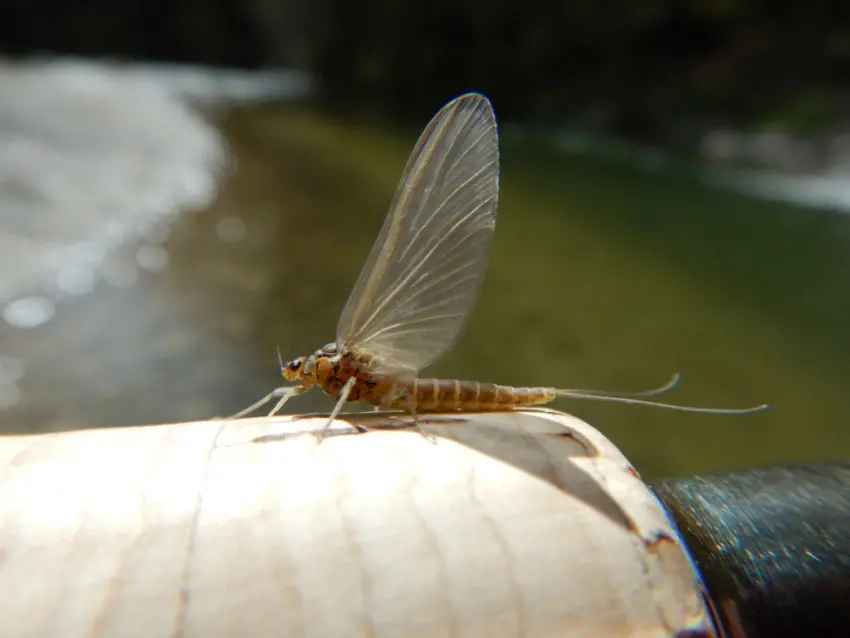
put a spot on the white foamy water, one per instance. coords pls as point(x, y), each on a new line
point(787, 174)
point(818, 191)
point(97, 157)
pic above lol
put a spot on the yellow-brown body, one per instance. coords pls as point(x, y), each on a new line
point(330, 370)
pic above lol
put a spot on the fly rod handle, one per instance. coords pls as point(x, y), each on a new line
point(773, 546)
point(524, 523)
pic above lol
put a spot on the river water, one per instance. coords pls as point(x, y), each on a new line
point(602, 275)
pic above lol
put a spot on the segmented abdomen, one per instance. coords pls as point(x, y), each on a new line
point(452, 395)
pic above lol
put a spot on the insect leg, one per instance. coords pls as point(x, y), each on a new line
point(284, 393)
point(343, 396)
point(411, 407)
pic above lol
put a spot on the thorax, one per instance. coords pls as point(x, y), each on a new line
point(330, 370)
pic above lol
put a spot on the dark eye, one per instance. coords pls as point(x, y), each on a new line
point(295, 364)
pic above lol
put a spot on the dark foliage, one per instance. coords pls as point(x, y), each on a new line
point(634, 65)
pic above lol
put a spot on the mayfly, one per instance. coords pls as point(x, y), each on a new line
point(420, 283)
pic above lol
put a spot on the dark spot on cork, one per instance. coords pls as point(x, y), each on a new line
point(561, 435)
point(282, 436)
point(589, 449)
point(658, 538)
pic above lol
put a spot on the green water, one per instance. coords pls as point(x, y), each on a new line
point(601, 276)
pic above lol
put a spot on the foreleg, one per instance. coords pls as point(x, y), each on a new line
point(284, 394)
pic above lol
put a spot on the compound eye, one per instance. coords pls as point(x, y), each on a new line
point(295, 364)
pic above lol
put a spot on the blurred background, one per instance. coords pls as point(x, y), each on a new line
point(186, 185)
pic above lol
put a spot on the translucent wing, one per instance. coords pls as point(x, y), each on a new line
point(427, 265)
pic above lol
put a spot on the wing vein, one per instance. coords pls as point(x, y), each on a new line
point(402, 284)
point(426, 268)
